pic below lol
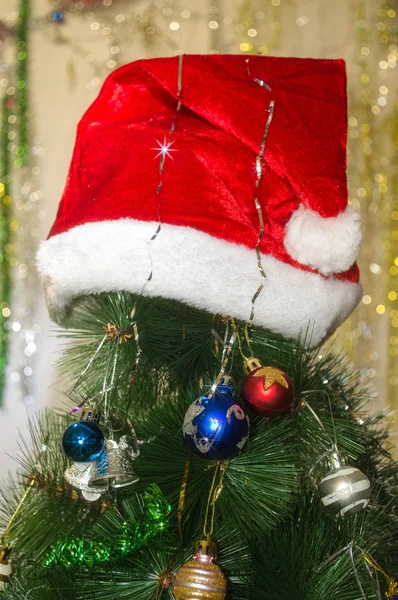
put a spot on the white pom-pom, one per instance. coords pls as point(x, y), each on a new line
point(329, 244)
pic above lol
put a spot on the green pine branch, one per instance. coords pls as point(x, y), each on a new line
point(274, 537)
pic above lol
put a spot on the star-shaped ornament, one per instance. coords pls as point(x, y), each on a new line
point(271, 375)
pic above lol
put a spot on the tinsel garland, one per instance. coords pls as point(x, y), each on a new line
point(22, 90)
point(18, 109)
point(5, 236)
point(134, 533)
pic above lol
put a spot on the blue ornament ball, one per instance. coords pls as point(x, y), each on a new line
point(57, 16)
point(83, 441)
point(216, 428)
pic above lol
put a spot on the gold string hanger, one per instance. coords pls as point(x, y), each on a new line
point(215, 492)
point(6, 533)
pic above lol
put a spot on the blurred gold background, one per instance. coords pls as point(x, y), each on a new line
point(71, 47)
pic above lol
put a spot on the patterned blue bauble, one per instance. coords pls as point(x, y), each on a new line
point(83, 441)
point(216, 428)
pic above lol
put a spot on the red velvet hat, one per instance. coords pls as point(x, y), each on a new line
point(191, 142)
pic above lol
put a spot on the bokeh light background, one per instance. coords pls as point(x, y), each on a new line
point(70, 49)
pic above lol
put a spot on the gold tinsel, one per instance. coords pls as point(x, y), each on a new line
point(114, 333)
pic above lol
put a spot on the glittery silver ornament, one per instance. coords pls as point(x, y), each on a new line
point(115, 466)
point(91, 496)
point(79, 475)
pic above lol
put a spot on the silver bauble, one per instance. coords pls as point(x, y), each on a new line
point(345, 490)
point(115, 466)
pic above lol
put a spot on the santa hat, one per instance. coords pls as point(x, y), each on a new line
point(188, 143)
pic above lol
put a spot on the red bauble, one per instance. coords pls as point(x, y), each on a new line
point(268, 390)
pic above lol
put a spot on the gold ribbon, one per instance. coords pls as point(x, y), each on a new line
point(137, 343)
point(214, 494)
point(183, 489)
point(3, 539)
point(113, 333)
point(392, 583)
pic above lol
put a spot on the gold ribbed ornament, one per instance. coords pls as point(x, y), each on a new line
point(5, 566)
point(200, 578)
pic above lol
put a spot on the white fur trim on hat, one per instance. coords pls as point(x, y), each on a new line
point(329, 244)
point(192, 267)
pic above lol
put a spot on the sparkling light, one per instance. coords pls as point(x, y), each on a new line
point(214, 424)
point(164, 149)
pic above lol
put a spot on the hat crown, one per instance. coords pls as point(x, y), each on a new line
point(181, 142)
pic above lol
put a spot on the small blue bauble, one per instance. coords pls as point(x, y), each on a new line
point(216, 428)
point(83, 441)
point(57, 16)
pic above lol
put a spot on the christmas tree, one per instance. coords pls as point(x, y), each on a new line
point(210, 447)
